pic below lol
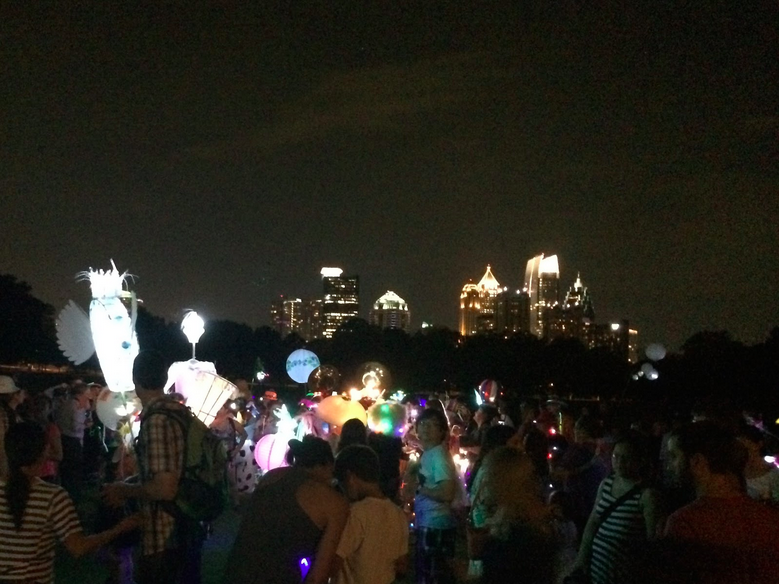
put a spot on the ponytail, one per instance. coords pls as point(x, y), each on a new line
point(17, 493)
point(25, 444)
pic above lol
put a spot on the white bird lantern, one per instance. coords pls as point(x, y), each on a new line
point(111, 324)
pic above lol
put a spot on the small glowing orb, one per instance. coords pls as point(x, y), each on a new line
point(649, 371)
point(387, 418)
point(489, 390)
point(615, 326)
point(115, 408)
point(374, 375)
point(300, 364)
point(655, 352)
point(324, 379)
point(193, 326)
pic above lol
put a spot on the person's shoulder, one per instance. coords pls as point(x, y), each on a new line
point(48, 490)
point(331, 499)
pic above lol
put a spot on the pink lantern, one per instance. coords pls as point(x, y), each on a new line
point(271, 451)
point(489, 390)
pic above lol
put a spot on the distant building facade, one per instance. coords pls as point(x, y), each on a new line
point(311, 319)
point(512, 311)
point(341, 299)
point(391, 311)
point(542, 285)
point(478, 305)
point(286, 315)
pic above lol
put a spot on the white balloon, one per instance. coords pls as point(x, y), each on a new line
point(655, 352)
point(300, 364)
point(114, 408)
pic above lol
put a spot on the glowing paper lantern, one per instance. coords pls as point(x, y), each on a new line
point(183, 374)
point(324, 379)
point(193, 328)
point(655, 352)
point(300, 364)
point(114, 408)
point(374, 375)
point(271, 451)
point(109, 329)
point(387, 418)
point(649, 372)
point(207, 394)
point(337, 411)
point(489, 390)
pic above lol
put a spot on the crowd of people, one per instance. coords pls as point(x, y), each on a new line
point(467, 494)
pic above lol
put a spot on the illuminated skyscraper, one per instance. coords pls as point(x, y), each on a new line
point(469, 309)
point(391, 311)
point(477, 304)
point(568, 319)
point(341, 300)
point(311, 319)
point(542, 285)
point(286, 315)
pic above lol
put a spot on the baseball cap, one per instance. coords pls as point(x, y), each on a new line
point(7, 385)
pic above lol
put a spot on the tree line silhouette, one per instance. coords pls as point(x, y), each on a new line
point(710, 364)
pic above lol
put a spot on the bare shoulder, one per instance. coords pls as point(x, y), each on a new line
point(273, 476)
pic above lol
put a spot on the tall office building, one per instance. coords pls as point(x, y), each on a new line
point(469, 309)
point(478, 304)
point(311, 319)
point(286, 315)
point(568, 319)
point(341, 300)
point(542, 285)
point(391, 311)
point(512, 311)
point(617, 337)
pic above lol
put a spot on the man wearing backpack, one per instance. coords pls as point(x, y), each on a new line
point(169, 553)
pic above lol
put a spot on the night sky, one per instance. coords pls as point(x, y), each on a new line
point(225, 155)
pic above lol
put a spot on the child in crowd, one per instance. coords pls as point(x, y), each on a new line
point(374, 545)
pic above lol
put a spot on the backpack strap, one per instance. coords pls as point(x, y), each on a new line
point(617, 503)
point(180, 418)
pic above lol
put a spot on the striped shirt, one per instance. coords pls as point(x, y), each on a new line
point(160, 449)
point(28, 554)
point(618, 538)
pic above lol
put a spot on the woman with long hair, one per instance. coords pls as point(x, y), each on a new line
point(521, 547)
point(293, 522)
point(35, 514)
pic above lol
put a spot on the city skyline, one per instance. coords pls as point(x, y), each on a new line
point(225, 154)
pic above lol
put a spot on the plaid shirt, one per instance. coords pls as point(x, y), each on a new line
point(160, 449)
